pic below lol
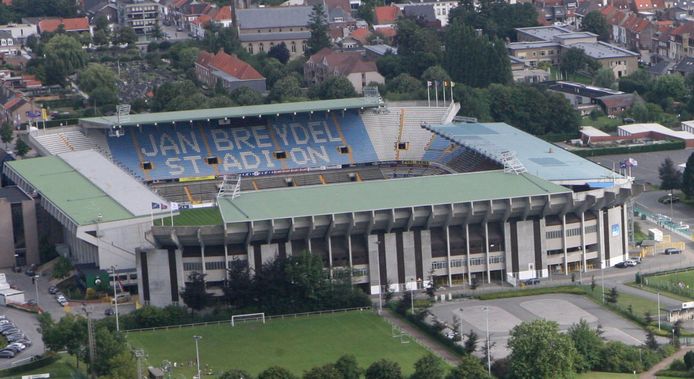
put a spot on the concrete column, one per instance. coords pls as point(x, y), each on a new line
point(448, 255)
point(330, 256)
point(269, 252)
point(374, 265)
point(583, 241)
point(250, 258)
point(226, 258)
point(601, 239)
point(409, 259)
point(202, 256)
point(486, 250)
point(625, 231)
point(467, 253)
point(288, 248)
point(426, 254)
point(349, 252)
point(508, 260)
point(391, 259)
point(563, 244)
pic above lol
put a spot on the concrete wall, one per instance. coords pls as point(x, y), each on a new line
point(6, 240)
point(526, 250)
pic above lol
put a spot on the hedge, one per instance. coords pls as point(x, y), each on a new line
point(573, 290)
point(33, 365)
point(672, 145)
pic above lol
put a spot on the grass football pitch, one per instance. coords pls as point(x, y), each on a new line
point(195, 216)
point(296, 344)
point(678, 283)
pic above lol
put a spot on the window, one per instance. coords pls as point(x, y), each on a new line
point(250, 48)
point(476, 261)
point(146, 165)
point(261, 47)
point(553, 234)
point(280, 154)
point(212, 160)
point(458, 262)
point(359, 272)
point(496, 259)
point(438, 265)
point(214, 265)
point(293, 48)
point(343, 149)
point(191, 266)
point(573, 232)
point(403, 145)
point(591, 229)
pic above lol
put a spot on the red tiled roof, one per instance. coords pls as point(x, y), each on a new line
point(12, 102)
point(70, 24)
point(618, 18)
point(361, 35)
point(223, 13)
point(386, 15)
point(344, 62)
point(640, 5)
point(388, 32)
point(686, 28)
point(608, 11)
point(229, 64)
point(201, 20)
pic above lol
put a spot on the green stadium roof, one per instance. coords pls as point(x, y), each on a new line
point(76, 196)
point(234, 112)
point(382, 194)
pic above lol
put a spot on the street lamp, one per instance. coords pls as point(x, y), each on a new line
point(489, 358)
point(36, 286)
point(672, 221)
point(197, 354)
point(115, 296)
point(658, 310)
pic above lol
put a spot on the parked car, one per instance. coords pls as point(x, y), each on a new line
point(672, 250)
point(52, 290)
point(109, 312)
point(7, 354)
point(669, 199)
point(31, 302)
point(621, 265)
point(31, 270)
point(630, 263)
point(532, 281)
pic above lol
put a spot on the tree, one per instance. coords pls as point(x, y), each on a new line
point(235, 374)
point(651, 342)
point(348, 367)
point(6, 133)
point(318, 25)
point(539, 351)
point(246, 96)
point(194, 294)
point(668, 87)
point(384, 369)
point(335, 87)
point(323, 372)
point(475, 60)
point(689, 360)
point(639, 82)
point(495, 18)
point(97, 76)
point(670, 177)
point(102, 96)
point(390, 66)
point(63, 56)
point(588, 345)
point(612, 296)
point(22, 147)
point(125, 36)
point(428, 367)
point(122, 366)
point(279, 52)
point(276, 372)
point(62, 268)
point(574, 59)
point(471, 340)
point(469, 368)
point(435, 73)
point(404, 83)
point(688, 178)
point(218, 37)
point(418, 46)
point(595, 22)
point(604, 78)
point(69, 334)
point(285, 90)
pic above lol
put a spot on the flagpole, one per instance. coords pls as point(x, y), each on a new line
point(452, 84)
point(444, 93)
point(171, 213)
point(428, 94)
point(151, 215)
point(436, 92)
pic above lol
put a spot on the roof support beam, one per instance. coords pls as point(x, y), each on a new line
point(330, 228)
point(410, 220)
point(391, 220)
point(249, 235)
point(292, 228)
point(271, 231)
point(547, 208)
point(449, 216)
point(372, 222)
point(350, 225)
point(430, 219)
point(527, 208)
point(508, 210)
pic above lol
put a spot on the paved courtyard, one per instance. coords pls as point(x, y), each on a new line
point(504, 314)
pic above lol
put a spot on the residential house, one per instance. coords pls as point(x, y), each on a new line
point(423, 14)
point(20, 32)
point(581, 97)
point(191, 11)
point(440, 10)
point(7, 43)
point(141, 15)
point(685, 66)
point(349, 64)
point(546, 44)
point(229, 70)
point(260, 29)
point(70, 25)
point(617, 104)
point(384, 20)
point(523, 73)
point(101, 8)
point(681, 41)
point(221, 16)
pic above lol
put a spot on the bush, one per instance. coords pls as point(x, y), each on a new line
point(574, 290)
point(678, 365)
point(689, 360)
point(432, 330)
point(90, 294)
point(673, 145)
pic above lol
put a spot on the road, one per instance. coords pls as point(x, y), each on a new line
point(648, 163)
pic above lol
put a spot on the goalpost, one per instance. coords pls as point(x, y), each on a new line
point(247, 317)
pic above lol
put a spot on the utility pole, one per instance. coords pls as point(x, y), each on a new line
point(115, 296)
point(92, 342)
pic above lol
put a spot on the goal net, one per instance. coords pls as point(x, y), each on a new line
point(247, 317)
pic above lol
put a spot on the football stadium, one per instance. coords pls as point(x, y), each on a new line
point(400, 194)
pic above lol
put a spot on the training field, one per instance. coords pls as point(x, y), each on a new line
point(678, 283)
point(195, 216)
point(295, 344)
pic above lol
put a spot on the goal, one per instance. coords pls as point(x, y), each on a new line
point(247, 317)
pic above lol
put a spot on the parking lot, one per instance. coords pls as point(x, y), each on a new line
point(504, 314)
point(28, 325)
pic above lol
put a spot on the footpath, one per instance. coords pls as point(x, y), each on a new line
point(665, 363)
point(424, 339)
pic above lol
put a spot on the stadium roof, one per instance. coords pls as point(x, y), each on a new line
point(86, 187)
point(382, 194)
point(539, 157)
point(234, 112)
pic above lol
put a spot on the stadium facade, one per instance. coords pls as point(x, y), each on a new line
point(398, 194)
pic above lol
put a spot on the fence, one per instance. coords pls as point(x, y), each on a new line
point(267, 319)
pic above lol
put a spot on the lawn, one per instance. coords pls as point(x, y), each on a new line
point(64, 368)
point(677, 283)
point(603, 123)
point(196, 216)
point(295, 344)
point(639, 305)
point(605, 375)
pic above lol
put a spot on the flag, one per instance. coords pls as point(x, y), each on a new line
point(44, 114)
point(623, 164)
point(452, 84)
point(633, 162)
point(163, 206)
point(428, 83)
point(445, 83)
point(156, 206)
point(174, 206)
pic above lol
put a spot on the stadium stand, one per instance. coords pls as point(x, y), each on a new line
point(64, 140)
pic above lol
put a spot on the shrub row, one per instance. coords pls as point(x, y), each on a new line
point(428, 329)
point(673, 145)
point(573, 290)
point(40, 361)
